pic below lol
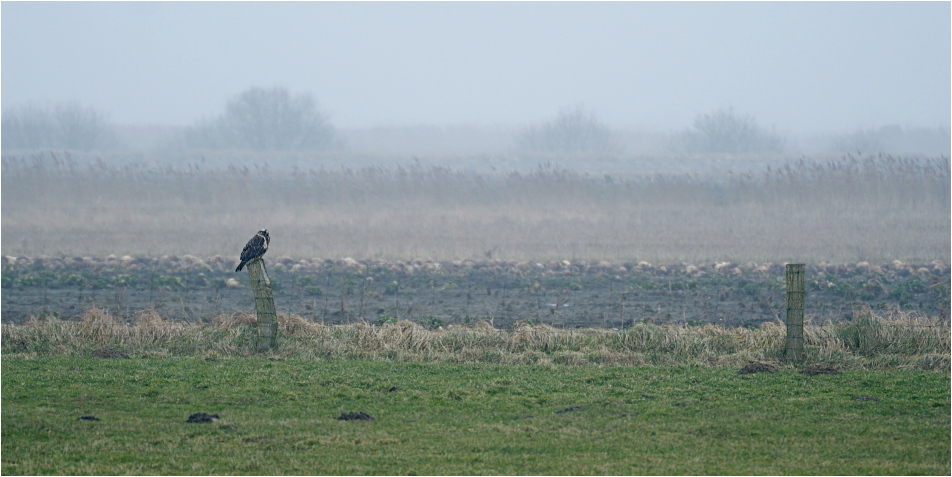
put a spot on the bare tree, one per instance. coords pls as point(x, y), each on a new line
point(26, 127)
point(723, 131)
point(574, 130)
point(266, 119)
point(79, 127)
point(63, 126)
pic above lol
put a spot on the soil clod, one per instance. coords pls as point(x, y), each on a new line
point(816, 369)
point(570, 409)
point(758, 368)
point(201, 417)
point(88, 418)
point(355, 416)
point(864, 397)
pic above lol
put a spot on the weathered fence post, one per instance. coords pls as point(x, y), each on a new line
point(795, 297)
point(264, 305)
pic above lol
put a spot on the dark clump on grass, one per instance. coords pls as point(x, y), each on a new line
point(815, 369)
point(865, 397)
point(394, 389)
point(88, 418)
point(355, 416)
point(109, 352)
point(570, 409)
point(201, 417)
point(758, 368)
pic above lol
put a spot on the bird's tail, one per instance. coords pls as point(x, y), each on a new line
point(240, 265)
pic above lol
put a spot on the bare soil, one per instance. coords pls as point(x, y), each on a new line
point(504, 293)
point(754, 368)
point(201, 417)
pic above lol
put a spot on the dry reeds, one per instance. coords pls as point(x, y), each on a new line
point(894, 339)
point(896, 333)
point(873, 209)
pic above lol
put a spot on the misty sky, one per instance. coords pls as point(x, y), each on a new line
point(802, 67)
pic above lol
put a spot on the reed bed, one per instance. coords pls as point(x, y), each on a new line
point(893, 339)
point(850, 209)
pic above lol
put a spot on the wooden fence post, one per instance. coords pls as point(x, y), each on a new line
point(264, 305)
point(795, 297)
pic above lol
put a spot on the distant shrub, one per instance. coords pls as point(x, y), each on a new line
point(574, 130)
point(892, 139)
point(62, 126)
point(261, 119)
point(864, 141)
point(724, 131)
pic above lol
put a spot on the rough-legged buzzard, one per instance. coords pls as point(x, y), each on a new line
point(255, 248)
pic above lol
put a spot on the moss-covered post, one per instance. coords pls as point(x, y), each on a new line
point(264, 305)
point(795, 298)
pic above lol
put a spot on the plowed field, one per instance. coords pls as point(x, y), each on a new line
point(561, 294)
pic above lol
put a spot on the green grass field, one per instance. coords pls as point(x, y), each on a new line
point(280, 417)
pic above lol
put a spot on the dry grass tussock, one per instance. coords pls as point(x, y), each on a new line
point(893, 339)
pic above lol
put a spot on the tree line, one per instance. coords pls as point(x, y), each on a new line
point(274, 119)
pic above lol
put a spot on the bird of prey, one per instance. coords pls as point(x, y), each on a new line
point(255, 248)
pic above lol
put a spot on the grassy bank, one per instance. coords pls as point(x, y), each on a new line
point(888, 340)
point(281, 417)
